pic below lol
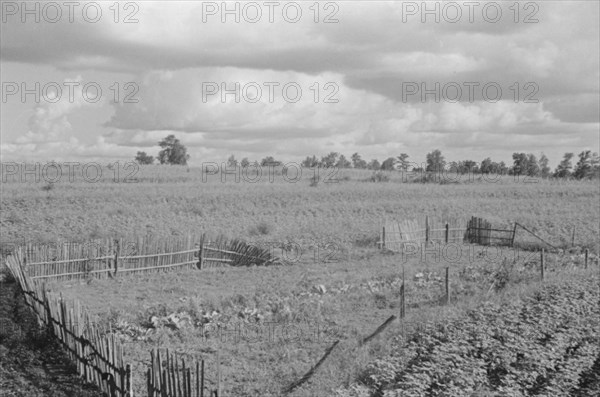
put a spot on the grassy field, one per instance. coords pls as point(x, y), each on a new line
point(277, 321)
point(345, 298)
point(168, 201)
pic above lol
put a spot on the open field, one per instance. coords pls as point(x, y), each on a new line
point(170, 201)
point(277, 321)
point(345, 298)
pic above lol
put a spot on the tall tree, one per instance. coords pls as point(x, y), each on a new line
point(563, 169)
point(583, 169)
point(173, 152)
point(245, 162)
point(533, 169)
point(486, 166)
point(231, 161)
point(403, 161)
point(468, 166)
point(343, 162)
point(143, 159)
point(330, 159)
point(310, 162)
point(374, 165)
point(357, 161)
point(519, 164)
point(543, 166)
point(435, 161)
point(388, 164)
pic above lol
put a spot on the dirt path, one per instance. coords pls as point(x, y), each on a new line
point(32, 364)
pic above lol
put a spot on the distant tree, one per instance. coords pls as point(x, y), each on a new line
point(435, 161)
point(595, 165)
point(388, 164)
point(543, 166)
point(374, 165)
point(468, 166)
point(245, 163)
point(143, 159)
point(232, 162)
point(330, 159)
point(519, 164)
point(501, 167)
point(486, 166)
point(343, 162)
point(269, 161)
point(533, 168)
point(563, 169)
point(358, 162)
point(454, 166)
point(583, 168)
point(310, 162)
point(173, 151)
point(403, 161)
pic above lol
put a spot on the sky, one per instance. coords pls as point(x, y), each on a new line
point(291, 79)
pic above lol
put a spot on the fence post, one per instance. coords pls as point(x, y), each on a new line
point(219, 392)
point(128, 389)
point(512, 240)
point(117, 252)
point(200, 249)
point(202, 380)
point(383, 238)
point(587, 253)
point(447, 232)
point(573, 238)
point(402, 301)
point(447, 285)
point(426, 230)
point(542, 264)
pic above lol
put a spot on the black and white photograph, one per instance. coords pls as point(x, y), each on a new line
point(310, 198)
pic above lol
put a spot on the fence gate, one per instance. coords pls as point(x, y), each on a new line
point(480, 231)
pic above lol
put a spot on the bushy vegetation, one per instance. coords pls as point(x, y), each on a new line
point(546, 344)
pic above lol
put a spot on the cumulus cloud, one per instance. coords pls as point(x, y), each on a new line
point(370, 55)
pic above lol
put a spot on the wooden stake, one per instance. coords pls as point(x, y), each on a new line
point(573, 238)
point(219, 374)
point(447, 232)
point(447, 285)
point(402, 301)
point(202, 380)
point(117, 252)
point(426, 230)
point(383, 238)
point(542, 263)
point(587, 253)
point(512, 240)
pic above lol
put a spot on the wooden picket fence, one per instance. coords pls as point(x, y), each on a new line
point(108, 258)
point(97, 355)
point(169, 376)
point(395, 234)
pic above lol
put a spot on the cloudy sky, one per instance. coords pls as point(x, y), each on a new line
point(345, 76)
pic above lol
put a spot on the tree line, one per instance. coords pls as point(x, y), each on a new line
point(526, 164)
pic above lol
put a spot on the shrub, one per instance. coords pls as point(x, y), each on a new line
point(262, 228)
point(379, 176)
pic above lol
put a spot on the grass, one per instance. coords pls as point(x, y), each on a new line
point(300, 309)
point(169, 201)
point(345, 297)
